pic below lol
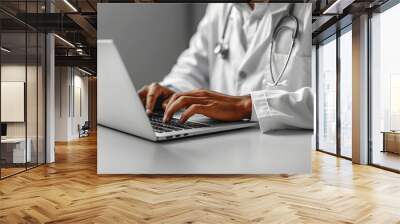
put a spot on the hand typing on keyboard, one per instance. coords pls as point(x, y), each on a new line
point(214, 105)
point(153, 93)
point(174, 125)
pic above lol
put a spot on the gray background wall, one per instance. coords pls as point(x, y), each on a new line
point(149, 36)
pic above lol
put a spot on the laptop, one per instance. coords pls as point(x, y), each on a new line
point(120, 108)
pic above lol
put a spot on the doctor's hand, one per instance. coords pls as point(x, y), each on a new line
point(154, 93)
point(209, 103)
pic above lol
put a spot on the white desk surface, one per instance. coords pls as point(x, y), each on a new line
point(245, 151)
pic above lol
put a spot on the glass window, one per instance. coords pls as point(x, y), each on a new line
point(385, 87)
point(31, 100)
point(346, 93)
point(327, 96)
point(22, 91)
point(15, 150)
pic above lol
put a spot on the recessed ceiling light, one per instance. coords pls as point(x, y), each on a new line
point(337, 7)
point(5, 50)
point(64, 40)
point(70, 5)
point(84, 71)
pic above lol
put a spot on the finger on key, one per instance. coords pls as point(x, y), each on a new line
point(180, 103)
point(151, 98)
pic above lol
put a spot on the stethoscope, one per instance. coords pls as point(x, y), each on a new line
point(222, 48)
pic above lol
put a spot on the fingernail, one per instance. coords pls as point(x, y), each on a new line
point(148, 111)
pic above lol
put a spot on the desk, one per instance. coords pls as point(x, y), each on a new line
point(391, 141)
point(17, 152)
point(245, 151)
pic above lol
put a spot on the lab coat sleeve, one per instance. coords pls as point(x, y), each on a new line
point(192, 68)
point(283, 110)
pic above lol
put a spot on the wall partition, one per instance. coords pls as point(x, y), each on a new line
point(71, 102)
point(22, 88)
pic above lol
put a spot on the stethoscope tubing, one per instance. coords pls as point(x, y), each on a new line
point(278, 29)
point(222, 49)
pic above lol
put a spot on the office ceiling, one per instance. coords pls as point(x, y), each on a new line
point(77, 22)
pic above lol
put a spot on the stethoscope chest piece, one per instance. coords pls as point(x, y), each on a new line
point(222, 50)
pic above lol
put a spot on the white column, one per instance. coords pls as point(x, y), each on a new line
point(360, 90)
point(50, 99)
point(314, 88)
point(50, 92)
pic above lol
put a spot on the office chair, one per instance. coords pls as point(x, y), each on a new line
point(84, 130)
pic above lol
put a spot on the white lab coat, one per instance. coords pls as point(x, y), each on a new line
point(243, 72)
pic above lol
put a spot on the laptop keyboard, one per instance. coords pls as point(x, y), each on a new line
point(174, 125)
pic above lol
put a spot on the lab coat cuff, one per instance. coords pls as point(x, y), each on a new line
point(260, 105)
point(263, 110)
point(253, 113)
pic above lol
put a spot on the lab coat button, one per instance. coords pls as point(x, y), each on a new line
point(242, 75)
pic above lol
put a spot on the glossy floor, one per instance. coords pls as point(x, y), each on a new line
point(5, 172)
point(70, 191)
point(386, 159)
